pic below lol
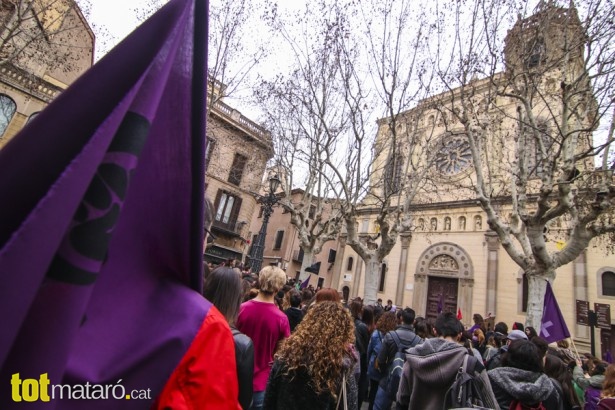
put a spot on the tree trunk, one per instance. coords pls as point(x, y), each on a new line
point(372, 276)
point(308, 259)
point(537, 285)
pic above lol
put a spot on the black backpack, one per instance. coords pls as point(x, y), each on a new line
point(395, 368)
point(464, 391)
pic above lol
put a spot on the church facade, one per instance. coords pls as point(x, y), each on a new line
point(451, 257)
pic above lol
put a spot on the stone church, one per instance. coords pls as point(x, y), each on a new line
point(451, 255)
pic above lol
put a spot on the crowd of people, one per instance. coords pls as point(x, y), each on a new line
point(309, 349)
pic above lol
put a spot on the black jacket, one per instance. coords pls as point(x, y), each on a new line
point(244, 356)
point(295, 392)
point(295, 315)
point(407, 337)
point(361, 334)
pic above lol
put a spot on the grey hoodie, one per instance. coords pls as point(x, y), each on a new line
point(429, 371)
point(528, 387)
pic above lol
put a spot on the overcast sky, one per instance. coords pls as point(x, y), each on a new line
point(116, 16)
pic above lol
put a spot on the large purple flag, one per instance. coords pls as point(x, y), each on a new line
point(553, 327)
point(101, 225)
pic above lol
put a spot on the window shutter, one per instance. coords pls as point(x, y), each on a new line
point(279, 237)
point(217, 203)
point(235, 211)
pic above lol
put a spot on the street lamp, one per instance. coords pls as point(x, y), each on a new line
point(268, 201)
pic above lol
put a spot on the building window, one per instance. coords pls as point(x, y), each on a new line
point(608, 283)
point(312, 212)
point(535, 162)
point(7, 110)
point(349, 263)
point(392, 175)
point(239, 164)
point(227, 208)
point(383, 271)
point(365, 226)
point(260, 212)
point(211, 144)
point(279, 237)
point(332, 255)
point(536, 52)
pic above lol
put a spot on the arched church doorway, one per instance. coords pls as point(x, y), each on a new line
point(443, 281)
point(441, 295)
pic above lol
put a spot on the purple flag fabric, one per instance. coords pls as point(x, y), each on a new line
point(440, 304)
point(553, 327)
point(101, 240)
point(306, 282)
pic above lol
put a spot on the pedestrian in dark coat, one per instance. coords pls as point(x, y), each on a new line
point(294, 312)
point(314, 363)
point(521, 377)
point(223, 288)
point(431, 368)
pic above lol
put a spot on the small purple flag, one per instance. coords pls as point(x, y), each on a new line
point(553, 327)
point(306, 282)
point(440, 304)
point(101, 242)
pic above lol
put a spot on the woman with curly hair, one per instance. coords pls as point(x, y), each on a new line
point(315, 362)
point(607, 396)
point(385, 324)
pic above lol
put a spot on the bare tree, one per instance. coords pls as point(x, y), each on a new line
point(391, 43)
point(305, 113)
point(533, 127)
point(38, 36)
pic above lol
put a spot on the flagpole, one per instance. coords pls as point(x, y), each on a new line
point(575, 349)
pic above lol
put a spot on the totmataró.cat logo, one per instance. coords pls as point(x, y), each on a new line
point(31, 390)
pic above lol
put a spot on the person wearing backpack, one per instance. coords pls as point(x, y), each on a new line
point(385, 324)
point(520, 383)
point(433, 367)
point(391, 358)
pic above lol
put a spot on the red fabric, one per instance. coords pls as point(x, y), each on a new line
point(459, 316)
point(206, 377)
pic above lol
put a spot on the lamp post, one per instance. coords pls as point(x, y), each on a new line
point(268, 201)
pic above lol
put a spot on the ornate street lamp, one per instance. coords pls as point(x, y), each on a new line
point(268, 201)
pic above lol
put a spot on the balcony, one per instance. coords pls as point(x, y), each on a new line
point(228, 229)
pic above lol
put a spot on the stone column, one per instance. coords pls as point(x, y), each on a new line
point(493, 246)
point(419, 295)
point(464, 299)
point(579, 268)
point(339, 263)
point(405, 237)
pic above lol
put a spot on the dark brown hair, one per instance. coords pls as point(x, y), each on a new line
point(223, 289)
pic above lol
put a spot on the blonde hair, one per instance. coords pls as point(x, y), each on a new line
point(271, 279)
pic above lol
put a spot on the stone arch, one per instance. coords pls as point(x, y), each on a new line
point(449, 262)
